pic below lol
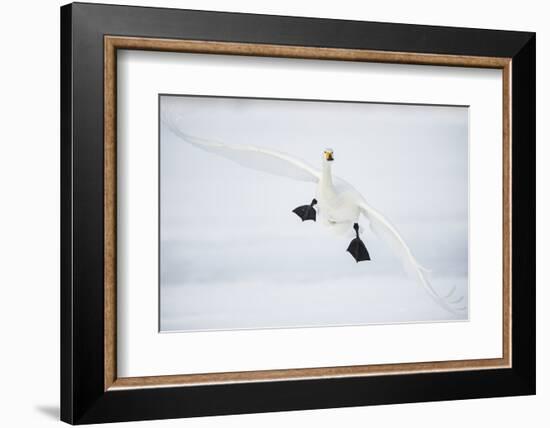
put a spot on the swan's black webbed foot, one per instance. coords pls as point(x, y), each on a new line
point(357, 248)
point(306, 212)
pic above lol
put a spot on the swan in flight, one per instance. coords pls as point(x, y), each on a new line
point(337, 204)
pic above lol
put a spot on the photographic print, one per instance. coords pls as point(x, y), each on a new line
point(283, 213)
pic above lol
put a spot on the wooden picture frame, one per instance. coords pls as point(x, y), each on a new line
point(91, 390)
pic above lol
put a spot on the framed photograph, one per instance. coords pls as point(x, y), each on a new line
point(265, 213)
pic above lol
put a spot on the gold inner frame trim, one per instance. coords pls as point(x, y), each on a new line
point(113, 43)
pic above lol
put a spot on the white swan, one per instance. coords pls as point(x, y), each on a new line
point(338, 204)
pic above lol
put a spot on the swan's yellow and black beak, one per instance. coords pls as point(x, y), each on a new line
point(329, 155)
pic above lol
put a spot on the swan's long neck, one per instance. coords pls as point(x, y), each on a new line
point(326, 176)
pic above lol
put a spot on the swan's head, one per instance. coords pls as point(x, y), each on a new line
point(328, 154)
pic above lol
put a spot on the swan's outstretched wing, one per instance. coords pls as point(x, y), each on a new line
point(258, 158)
point(389, 234)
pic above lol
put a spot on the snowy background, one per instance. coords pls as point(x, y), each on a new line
point(234, 256)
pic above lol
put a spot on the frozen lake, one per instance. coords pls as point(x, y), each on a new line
point(277, 283)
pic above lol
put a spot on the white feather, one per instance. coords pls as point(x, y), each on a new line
point(249, 156)
point(389, 234)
